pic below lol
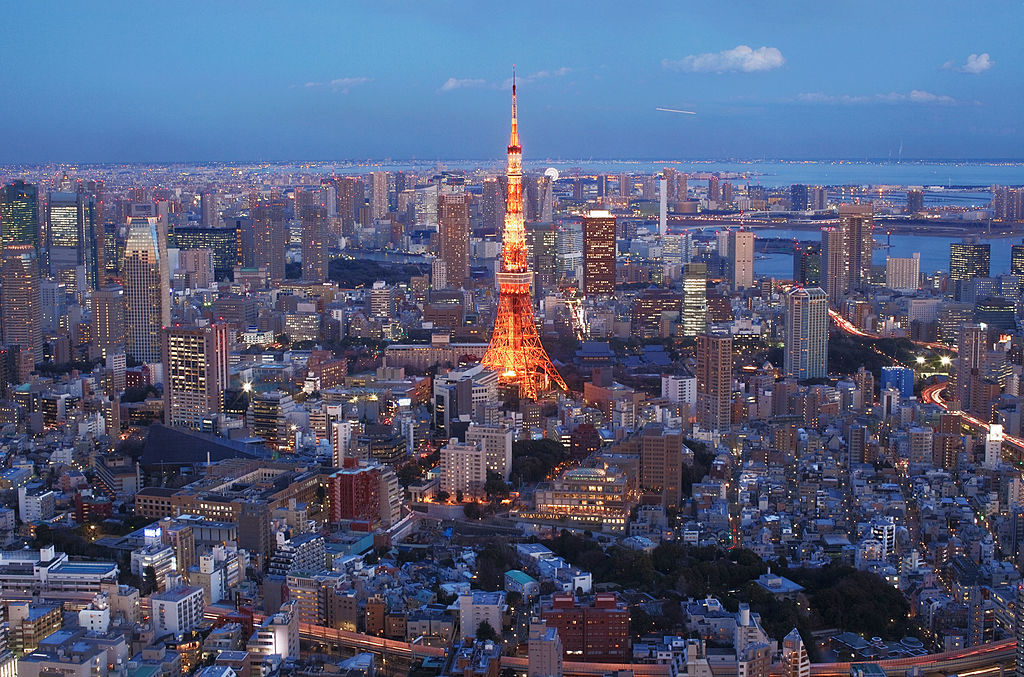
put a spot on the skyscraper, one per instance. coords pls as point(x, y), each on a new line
point(741, 259)
point(798, 197)
point(195, 373)
point(108, 311)
point(350, 197)
point(858, 223)
point(379, 204)
point(599, 253)
point(146, 287)
point(625, 185)
point(64, 236)
point(970, 360)
point(693, 319)
point(807, 264)
point(542, 247)
point(314, 243)
point(835, 267)
point(209, 209)
point(19, 215)
point(714, 194)
point(20, 302)
point(221, 241)
point(915, 200)
point(714, 380)
point(269, 237)
point(493, 204)
point(903, 274)
point(1017, 262)
point(968, 260)
point(806, 349)
point(663, 207)
point(453, 233)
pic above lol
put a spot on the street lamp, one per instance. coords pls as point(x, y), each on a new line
point(920, 359)
point(945, 360)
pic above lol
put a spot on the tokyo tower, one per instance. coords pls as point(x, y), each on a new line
point(515, 350)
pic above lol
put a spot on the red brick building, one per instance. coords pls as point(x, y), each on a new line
point(354, 493)
point(598, 631)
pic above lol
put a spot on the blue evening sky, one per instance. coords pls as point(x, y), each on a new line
point(193, 81)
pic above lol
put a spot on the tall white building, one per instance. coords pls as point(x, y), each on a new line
point(806, 349)
point(679, 389)
point(994, 446)
point(476, 607)
point(278, 633)
point(663, 207)
point(496, 443)
point(463, 468)
point(903, 274)
point(379, 197)
point(146, 288)
point(741, 259)
point(177, 610)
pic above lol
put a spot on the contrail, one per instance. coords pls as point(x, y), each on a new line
point(676, 110)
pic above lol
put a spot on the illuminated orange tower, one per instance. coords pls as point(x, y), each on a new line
point(515, 351)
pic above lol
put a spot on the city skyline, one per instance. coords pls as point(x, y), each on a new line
point(202, 83)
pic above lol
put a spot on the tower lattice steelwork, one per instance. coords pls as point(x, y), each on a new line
point(515, 350)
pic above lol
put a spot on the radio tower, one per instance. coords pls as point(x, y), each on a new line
point(515, 351)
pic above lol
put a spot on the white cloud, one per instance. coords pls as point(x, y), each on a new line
point(918, 96)
point(975, 64)
point(534, 77)
point(465, 83)
point(462, 83)
point(342, 85)
point(740, 58)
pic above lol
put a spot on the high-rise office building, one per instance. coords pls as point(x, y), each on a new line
point(349, 193)
point(806, 349)
point(714, 194)
point(314, 243)
point(195, 373)
point(1017, 262)
point(222, 242)
point(741, 259)
point(835, 267)
point(625, 185)
point(108, 319)
point(64, 235)
point(798, 197)
point(496, 443)
point(915, 201)
point(846, 251)
point(857, 223)
point(493, 204)
point(599, 253)
point(146, 289)
point(900, 379)
point(807, 264)
point(453, 234)
point(209, 209)
point(663, 207)
point(19, 215)
point(714, 380)
point(379, 187)
point(694, 317)
point(269, 237)
point(903, 274)
point(20, 300)
point(968, 260)
point(542, 250)
point(970, 361)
